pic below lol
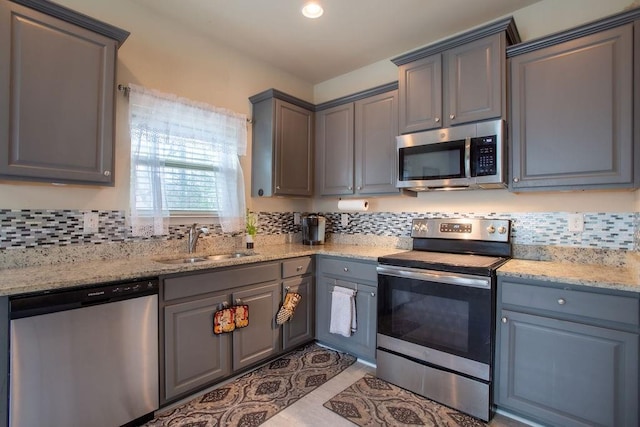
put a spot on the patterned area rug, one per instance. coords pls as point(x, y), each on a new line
point(255, 397)
point(374, 402)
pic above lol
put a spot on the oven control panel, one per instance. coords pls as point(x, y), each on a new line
point(494, 230)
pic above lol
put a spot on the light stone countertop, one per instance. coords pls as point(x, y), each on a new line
point(600, 276)
point(15, 281)
point(66, 275)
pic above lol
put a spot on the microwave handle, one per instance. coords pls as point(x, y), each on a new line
point(467, 157)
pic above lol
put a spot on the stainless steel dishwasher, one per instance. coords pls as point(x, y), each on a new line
point(85, 356)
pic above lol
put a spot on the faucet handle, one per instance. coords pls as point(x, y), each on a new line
point(204, 230)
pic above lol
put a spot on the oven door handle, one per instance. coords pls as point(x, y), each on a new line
point(435, 276)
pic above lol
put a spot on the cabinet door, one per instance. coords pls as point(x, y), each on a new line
point(293, 150)
point(300, 327)
point(361, 343)
point(420, 94)
point(261, 338)
point(56, 99)
point(565, 373)
point(335, 150)
point(376, 128)
point(474, 80)
point(194, 355)
point(572, 114)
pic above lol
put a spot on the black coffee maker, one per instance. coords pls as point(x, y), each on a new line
point(313, 227)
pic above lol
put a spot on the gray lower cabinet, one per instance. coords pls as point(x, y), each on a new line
point(356, 146)
point(193, 357)
point(261, 339)
point(300, 327)
point(57, 89)
point(362, 277)
point(572, 111)
point(282, 150)
point(565, 355)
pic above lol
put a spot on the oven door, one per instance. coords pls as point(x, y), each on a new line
point(448, 313)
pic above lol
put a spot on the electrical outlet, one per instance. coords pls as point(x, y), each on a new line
point(575, 222)
point(91, 222)
point(296, 218)
point(344, 220)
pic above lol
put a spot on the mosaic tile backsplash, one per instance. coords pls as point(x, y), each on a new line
point(38, 228)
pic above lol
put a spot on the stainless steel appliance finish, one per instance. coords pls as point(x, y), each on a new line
point(84, 357)
point(462, 157)
point(313, 229)
point(436, 310)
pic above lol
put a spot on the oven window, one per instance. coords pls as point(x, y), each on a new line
point(431, 319)
point(450, 318)
point(433, 161)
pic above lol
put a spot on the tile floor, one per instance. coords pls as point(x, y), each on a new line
point(309, 411)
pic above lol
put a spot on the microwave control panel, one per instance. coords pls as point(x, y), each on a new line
point(484, 156)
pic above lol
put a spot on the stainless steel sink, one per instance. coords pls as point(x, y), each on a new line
point(193, 260)
point(190, 260)
point(227, 256)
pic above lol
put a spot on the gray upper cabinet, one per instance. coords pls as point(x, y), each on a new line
point(356, 143)
point(572, 109)
point(376, 128)
point(459, 80)
point(57, 78)
point(282, 150)
point(567, 355)
point(335, 150)
point(420, 88)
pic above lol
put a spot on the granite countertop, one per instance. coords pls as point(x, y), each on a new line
point(15, 281)
point(600, 276)
point(58, 276)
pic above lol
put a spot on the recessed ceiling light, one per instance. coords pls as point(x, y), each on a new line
point(312, 10)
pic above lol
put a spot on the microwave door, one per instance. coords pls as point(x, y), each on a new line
point(429, 165)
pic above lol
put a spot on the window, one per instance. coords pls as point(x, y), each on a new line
point(184, 159)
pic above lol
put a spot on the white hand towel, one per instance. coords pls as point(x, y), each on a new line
point(343, 311)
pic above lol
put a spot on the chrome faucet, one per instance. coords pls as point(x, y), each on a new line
point(194, 233)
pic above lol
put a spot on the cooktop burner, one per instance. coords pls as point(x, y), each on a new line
point(457, 263)
point(471, 246)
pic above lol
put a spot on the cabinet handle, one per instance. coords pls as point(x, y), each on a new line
point(562, 301)
point(277, 187)
point(373, 294)
point(452, 116)
point(504, 319)
point(287, 288)
point(359, 188)
point(107, 173)
point(299, 268)
point(516, 179)
point(349, 188)
point(346, 269)
point(437, 120)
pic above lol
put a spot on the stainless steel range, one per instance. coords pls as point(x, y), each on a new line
point(436, 309)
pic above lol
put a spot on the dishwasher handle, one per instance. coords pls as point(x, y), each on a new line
point(68, 299)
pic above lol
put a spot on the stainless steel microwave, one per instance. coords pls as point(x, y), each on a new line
point(462, 157)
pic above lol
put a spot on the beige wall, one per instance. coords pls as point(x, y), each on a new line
point(163, 55)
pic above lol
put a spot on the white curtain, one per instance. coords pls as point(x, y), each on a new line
point(159, 122)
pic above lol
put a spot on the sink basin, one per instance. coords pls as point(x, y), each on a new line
point(227, 256)
point(190, 260)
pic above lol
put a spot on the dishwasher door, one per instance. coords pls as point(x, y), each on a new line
point(91, 366)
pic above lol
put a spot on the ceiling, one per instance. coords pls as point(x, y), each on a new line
point(350, 34)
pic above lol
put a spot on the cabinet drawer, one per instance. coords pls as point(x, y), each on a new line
point(201, 283)
point(613, 308)
point(296, 267)
point(352, 270)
